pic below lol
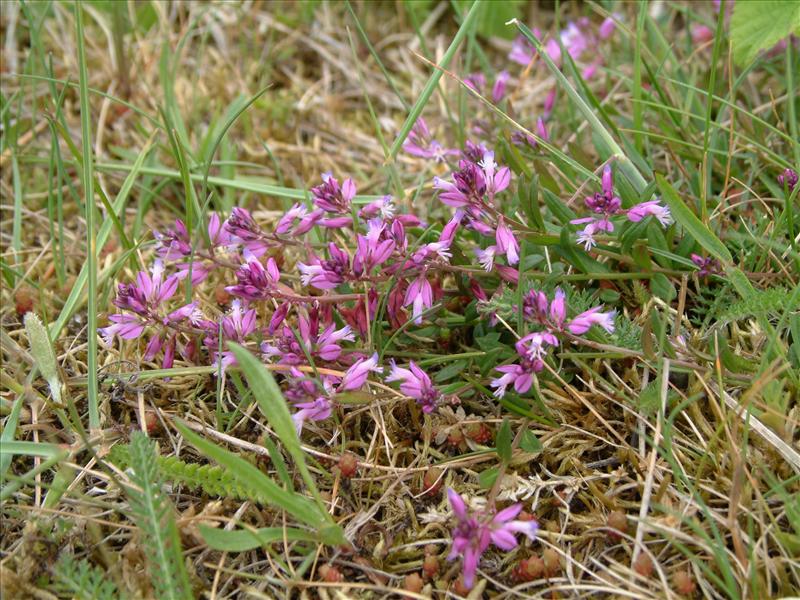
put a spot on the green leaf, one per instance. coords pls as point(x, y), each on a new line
point(662, 287)
point(275, 409)
point(42, 352)
point(299, 507)
point(694, 227)
point(487, 478)
point(530, 443)
point(241, 540)
point(503, 441)
point(756, 26)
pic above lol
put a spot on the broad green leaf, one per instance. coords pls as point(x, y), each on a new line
point(756, 26)
point(530, 443)
point(693, 226)
point(487, 478)
point(300, 507)
point(240, 540)
point(42, 352)
point(503, 442)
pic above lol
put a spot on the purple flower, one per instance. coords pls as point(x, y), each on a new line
point(324, 346)
point(708, 266)
point(496, 179)
point(306, 220)
point(420, 143)
point(608, 26)
point(175, 243)
point(374, 249)
point(486, 257)
point(499, 88)
point(128, 327)
point(235, 327)
point(475, 81)
point(384, 208)
point(531, 350)
point(468, 186)
point(356, 376)
point(506, 242)
point(607, 205)
point(788, 178)
point(420, 295)
point(549, 103)
point(326, 274)
point(475, 532)
point(584, 321)
point(651, 207)
point(331, 197)
point(558, 308)
point(255, 282)
point(318, 409)
point(242, 229)
point(416, 384)
point(522, 51)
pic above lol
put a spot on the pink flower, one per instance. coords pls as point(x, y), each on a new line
point(416, 384)
point(506, 242)
point(558, 308)
point(702, 34)
point(318, 409)
point(420, 143)
point(255, 282)
point(326, 274)
point(420, 295)
point(475, 532)
point(522, 51)
point(651, 207)
point(331, 197)
point(374, 249)
point(584, 321)
point(306, 220)
point(356, 376)
point(499, 88)
point(788, 178)
point(608, 26)
point(243, 230)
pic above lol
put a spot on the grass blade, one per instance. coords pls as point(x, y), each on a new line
point(91, 239)
point(427, 91)
point(684, 215)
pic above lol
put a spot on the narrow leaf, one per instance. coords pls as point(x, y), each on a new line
point(298, 506)
point(694, 227)
point(240, 540)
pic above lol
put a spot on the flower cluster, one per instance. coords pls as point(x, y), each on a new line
point(607, 205)
point(550, 317)
point(476, 531)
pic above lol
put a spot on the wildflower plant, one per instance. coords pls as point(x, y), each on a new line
point(547, 254)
